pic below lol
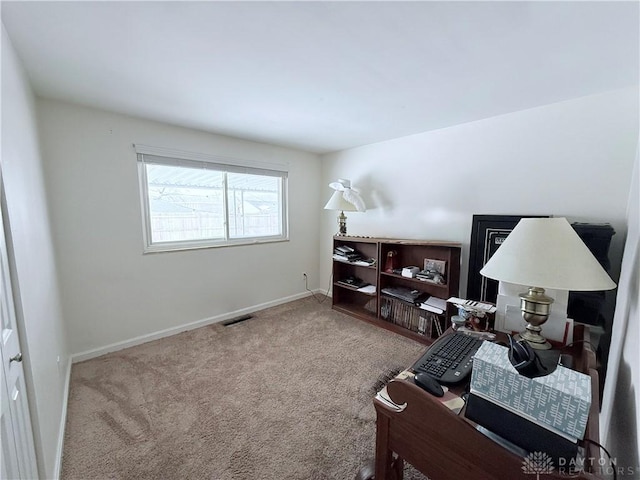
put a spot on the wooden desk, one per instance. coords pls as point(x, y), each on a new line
point(443, 445)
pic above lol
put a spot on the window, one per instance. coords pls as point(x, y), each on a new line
point(194, 201)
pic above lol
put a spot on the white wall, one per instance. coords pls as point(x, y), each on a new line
point(111, 291)
point(620, 416)
point(570, 159)
point(573, 159)
point(37, 303)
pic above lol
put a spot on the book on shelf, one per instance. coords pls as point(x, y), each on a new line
point(353, 282)
point(355, 260)
point(429, 325)
point(342, 258)
point(365, 262)
point(407, 316)
point(351, 256)
point(345, 249)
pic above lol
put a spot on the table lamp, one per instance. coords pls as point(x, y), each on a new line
point(344, 199)
point(545, 253)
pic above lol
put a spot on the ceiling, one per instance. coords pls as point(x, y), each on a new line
point(323, 76)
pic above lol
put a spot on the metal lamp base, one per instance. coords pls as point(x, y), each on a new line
point(535, 306)
point(342, 225)
point(535, 340)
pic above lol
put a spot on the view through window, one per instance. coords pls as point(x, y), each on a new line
point(191, 204)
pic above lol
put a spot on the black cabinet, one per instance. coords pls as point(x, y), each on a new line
point(587, 307)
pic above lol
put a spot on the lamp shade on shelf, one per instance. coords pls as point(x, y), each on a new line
point(547, 253)
point(344, 199)
point(338, 202)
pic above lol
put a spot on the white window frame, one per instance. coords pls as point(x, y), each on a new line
point(163, 156)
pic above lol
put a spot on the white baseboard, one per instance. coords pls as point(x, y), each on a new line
point(57, 470)
point(114, 347)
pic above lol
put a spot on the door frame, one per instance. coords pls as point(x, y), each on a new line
point(12, 353)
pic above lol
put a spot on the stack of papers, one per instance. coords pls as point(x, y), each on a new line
point(434, 304)
point(369, 262)
point(371, 289)
point(472, 305)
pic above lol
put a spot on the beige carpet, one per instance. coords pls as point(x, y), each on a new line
point(284, 395)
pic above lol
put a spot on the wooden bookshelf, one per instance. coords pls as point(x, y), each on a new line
point(388, 312)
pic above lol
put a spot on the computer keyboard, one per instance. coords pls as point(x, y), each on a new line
point(449, 359)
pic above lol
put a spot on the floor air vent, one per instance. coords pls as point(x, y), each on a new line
point(239, 319)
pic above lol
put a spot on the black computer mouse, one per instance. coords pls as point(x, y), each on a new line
point(428, 383)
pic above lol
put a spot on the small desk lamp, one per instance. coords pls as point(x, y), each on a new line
point(545, 253)
point(344, 199)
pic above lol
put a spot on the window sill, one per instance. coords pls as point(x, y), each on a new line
point(174, 247)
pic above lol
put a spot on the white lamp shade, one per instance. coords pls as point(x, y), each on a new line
point(547, 253)
point(337, 202)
